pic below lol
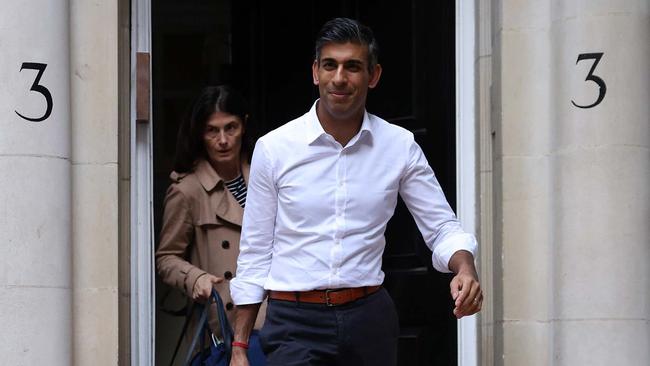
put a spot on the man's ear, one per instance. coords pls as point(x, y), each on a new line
point(314, 72)
point(374, 76)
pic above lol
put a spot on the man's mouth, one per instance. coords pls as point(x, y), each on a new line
point(339, 93)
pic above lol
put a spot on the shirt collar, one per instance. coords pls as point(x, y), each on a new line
point(315, 130)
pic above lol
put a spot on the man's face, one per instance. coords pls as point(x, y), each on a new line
point(223, 138)
point(343, 79)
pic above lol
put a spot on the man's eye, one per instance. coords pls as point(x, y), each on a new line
point(354, 68)
point(329, 66)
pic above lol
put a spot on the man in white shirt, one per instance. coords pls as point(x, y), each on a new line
point(322, 188)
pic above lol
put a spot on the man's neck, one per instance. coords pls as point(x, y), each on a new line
point(344, 129)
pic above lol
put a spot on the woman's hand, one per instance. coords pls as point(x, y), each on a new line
point(203, 287)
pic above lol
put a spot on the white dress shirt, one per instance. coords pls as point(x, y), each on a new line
point(316, 211)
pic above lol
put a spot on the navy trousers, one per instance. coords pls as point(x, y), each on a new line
point(363, 332)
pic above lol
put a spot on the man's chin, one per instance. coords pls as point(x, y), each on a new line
point(338, 106)
point(343, 110)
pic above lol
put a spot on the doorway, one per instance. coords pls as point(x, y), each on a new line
point(261, 50)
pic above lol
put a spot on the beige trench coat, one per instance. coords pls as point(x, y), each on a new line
point(200, 234)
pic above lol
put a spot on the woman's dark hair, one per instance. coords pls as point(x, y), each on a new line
point(189, 143)
point(343, 30)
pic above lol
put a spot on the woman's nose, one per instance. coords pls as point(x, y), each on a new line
point(222, 138)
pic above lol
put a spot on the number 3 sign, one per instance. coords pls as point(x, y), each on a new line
point(602, 88)
point(36, 87)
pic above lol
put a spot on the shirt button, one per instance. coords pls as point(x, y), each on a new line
point(225, 244)
point(229, 306)
point(227, 275)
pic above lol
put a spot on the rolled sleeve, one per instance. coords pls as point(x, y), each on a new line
point(256, 244)
point(426, 201)
point(449, 245)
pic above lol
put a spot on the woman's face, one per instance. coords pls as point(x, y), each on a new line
point(222, 138)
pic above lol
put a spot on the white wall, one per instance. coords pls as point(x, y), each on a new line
point(573, 185)
point(94, 135)
point(35, 198)
point(58, 201)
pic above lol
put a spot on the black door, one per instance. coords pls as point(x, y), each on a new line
point(266, 49)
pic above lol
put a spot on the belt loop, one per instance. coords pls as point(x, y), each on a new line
point(365, 291)
point(297, 297)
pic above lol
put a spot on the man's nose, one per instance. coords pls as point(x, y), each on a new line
point(339, 75)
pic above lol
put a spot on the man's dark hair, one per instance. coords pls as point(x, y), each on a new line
point(343, 30)
point(189, 143)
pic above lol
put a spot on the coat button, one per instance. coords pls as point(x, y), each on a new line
point(229, 306)
point(227, 275)
point(225, 244)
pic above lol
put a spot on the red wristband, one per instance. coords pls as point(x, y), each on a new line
point(240, 344)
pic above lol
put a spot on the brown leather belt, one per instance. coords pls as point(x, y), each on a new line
point(332, 297)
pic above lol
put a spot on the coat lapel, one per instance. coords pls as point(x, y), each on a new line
point(226, 206)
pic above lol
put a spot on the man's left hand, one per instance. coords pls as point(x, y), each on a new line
point(465, 287)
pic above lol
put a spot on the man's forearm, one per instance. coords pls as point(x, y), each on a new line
point(245, 320)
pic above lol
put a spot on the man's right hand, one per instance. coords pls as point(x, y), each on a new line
point(239, 357)
point(203, 287)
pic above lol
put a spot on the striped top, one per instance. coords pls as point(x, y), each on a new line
point(237, 187)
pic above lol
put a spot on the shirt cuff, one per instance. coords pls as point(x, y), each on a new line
point(244, 293)
point(450, 245)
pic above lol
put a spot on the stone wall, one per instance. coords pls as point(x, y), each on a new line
point(572, 185)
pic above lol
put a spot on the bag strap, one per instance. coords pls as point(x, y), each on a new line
point(202, 327)
point(226, 330)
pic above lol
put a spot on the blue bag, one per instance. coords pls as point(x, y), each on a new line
point(218, 354)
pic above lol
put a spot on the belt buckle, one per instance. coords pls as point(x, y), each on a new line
point(327, 296)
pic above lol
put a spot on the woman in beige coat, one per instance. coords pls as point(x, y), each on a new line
point(203, 209)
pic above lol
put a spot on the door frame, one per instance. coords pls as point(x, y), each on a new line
point(466, 153)
point(142, 291)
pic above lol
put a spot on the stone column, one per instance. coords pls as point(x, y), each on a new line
point(572, 185)
point(94, 112)
point(523, 233)
point(35, 193)
point(600, 183)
